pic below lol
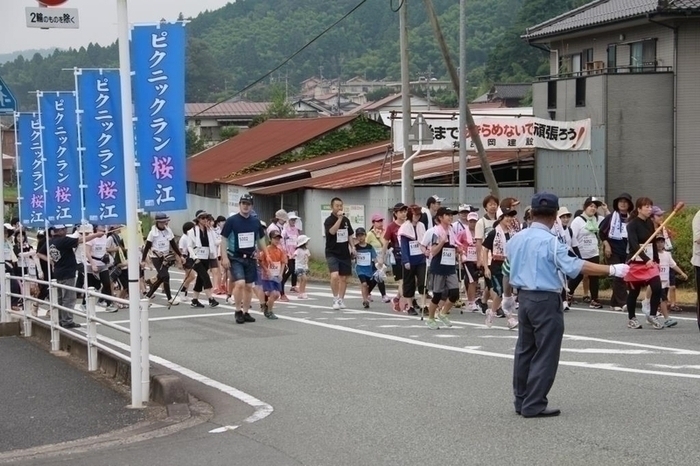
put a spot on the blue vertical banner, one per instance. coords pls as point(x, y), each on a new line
point(158, 66)
point(59, 136)
point(30, 170)
point(99, 104)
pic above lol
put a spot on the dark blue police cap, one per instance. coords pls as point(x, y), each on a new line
point(547, 200)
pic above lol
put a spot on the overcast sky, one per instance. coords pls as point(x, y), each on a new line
point(97, 21)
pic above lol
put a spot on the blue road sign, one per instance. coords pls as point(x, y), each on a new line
point(8, 103)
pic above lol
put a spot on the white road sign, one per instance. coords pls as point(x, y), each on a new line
point(61, 18)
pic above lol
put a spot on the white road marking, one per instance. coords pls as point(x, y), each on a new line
point(262, 409)
point(606, 351)
point(682, 366)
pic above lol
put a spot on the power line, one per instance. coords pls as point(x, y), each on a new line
point(286, 60)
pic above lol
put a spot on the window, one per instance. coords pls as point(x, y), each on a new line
point(580, 92)
point(612, 58)
point(643, 55)
point(587, 57)
point(576, 63)
point(552, 94)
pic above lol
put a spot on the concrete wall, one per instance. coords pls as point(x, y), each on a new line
point(640, 136)
point(688, 114)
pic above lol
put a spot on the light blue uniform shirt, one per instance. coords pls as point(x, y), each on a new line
point(537, 260)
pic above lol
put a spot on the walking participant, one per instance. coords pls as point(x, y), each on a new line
point(61, 251)
point(411, 235)
point(290, 233)
point(613, 234)
point(184, 246)
point(538, 263)
point(584, 229)
point(219, 274)
point(273, 261)
point(301, 261)
point(201, 249)
point(428, 214)
point(657, 214)
point(374, 239)
point(99, 261)
point(277, 224)
point(163, 252)
point(443, 273)
point(494, 254)
point(563, 233)
point(242, 232)
point(666, 265)
point(365, 267)
point(470, 272)
point(391, 243)
point(640, 227)
point(339, 251)
point(483, 228)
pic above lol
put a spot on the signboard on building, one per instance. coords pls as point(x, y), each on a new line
point(354, 213)
point(233, 196)
point(503, 133)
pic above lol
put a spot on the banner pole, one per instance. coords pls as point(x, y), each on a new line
point(83, 187)
point(131, 204)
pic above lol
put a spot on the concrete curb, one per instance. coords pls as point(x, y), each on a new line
point(10, 329)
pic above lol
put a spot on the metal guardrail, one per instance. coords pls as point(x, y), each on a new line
point(91, 336)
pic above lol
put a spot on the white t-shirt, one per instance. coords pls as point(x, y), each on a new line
point(160, 239)
point(301, 258)
point(98, 248)
point(666, 263)
point(184, 245)
point(483, 227)
point(587, 241)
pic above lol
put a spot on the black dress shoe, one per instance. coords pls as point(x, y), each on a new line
point(548, 412)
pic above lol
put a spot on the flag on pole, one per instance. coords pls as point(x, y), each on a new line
point(99, 104)
point(158, 65)
point(59, 136)
point(30, 170)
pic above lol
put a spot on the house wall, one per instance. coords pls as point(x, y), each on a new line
point(600, 41)
point(688, 113)
point(640, 136)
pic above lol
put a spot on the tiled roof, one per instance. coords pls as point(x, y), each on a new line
point(511, 91)
point(607, 11)
point(306, 167)
point(225, 109)
point(428, 164)
point(262, 142)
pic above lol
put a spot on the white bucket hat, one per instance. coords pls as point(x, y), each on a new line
point(302, 240)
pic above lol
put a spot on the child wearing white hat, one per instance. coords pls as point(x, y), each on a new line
point(301, 263)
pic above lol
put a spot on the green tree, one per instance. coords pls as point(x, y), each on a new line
point(379, 94)
point(193, 143)
point(227, 132)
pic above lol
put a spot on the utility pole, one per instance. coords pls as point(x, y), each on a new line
point(462, 101)
point(430, 77)
point(471, 125)
point(407, 191)
point(339, 76)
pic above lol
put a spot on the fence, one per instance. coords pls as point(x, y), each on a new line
point(138, 357)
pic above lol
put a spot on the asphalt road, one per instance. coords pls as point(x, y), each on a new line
point(372, 387)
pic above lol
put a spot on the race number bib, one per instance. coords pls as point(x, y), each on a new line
point(664, 273)
point(471, 253)
point(342, 235)
point(201, 253)
point(99, 250)
point(32, 268)
point(588, 240)
point(246, 240)
point(364, 259)
point(414, 248)
point(649, 251)
point(275, 269)
point(448, 257)
point(160, 245)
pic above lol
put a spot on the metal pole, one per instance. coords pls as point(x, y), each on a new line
point(131, 205)
point(407, 194)
point(462, 101)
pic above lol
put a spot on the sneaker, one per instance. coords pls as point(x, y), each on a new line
point(482, 307)
point(624, 308)
point(490, 316)
point(656, 324)
point(565, 306)
point(386, 299)
point(512, 322)
point(341, 303)
point(213, 302)
point(174, 301)
point(432, 324)
point(239, 317)
point(595, 304)
point(412, 311)
point(270, 315)
point(370, 299)
point(473, 307)
point(284, 298)
point(646, 308)
point(587, 299)
point(675, 308)
point(195, 303)
point(111, 308)
point(303, 296)
point(365, 304)
point(445, 320)
point(336, 304)
point(670, 322)
point(248, 318)
point(293, 289)
point(616, 308)
point(634, 323)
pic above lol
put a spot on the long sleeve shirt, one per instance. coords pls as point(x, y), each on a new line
point(638, 231)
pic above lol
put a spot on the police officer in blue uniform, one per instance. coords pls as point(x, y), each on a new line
point(538, 266)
